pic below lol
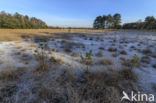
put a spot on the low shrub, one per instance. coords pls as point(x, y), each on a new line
point(133, 62)
point(87, 59)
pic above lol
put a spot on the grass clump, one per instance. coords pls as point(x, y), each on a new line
point(112, 49)
point(41, 56)
point(133, 62)
point(50, 95)
point(74, 54)
point(101, 48)
point(123, 52)
point(145, 59)
point(87, 59)
point(154, 66)
point(128, 74)
point(115, 55)
point(99, 54)
point(147, 51)
point(10, 74)
point(105, 61)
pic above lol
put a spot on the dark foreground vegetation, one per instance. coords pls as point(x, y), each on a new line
point(17, 20)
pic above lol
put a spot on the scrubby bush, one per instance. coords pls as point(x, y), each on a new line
point(133, 62)
point(87, 59)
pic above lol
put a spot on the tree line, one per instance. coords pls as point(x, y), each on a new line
point(148, 23)
point(17, 20)
point(107, 22)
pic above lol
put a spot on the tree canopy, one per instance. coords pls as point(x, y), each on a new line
point(148, 23)
point(17, 20)
point(107, 21)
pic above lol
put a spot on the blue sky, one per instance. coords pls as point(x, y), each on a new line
point(80, 13)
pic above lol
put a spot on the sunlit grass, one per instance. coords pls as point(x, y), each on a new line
point(15, 34)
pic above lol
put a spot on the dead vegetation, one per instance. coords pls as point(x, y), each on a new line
point(105, 61)
point(11, 74)
point(18, 34)
point(75, 54)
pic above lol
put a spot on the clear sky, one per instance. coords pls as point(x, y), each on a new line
point(79, 13)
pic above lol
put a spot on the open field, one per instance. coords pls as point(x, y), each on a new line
point(15, 34)
point(76, 66)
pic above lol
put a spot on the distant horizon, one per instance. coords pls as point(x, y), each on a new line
point(80, 13)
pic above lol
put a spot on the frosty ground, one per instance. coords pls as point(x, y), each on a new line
point(56, 72)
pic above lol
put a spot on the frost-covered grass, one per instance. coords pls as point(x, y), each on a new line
point(77, 67)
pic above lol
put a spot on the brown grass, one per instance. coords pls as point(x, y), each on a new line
point(11, 74)
point(105, 61)
point(75, 54)
point(15, 34)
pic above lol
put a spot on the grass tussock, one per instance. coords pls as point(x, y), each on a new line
point(145, 59)
point(75, 54)
point(123, 52)
point(147, 51)
point(105, 61)
point(112, 49)
point(154, 66)
point(99, 54)
point(134, 61)
point(11, 74)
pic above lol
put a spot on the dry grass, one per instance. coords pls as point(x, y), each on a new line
point(15, 34)
point(1, 52)
point(19, 47)
point(1, 62)
point(75, 54)
point(11, 74)
point(105, 61)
